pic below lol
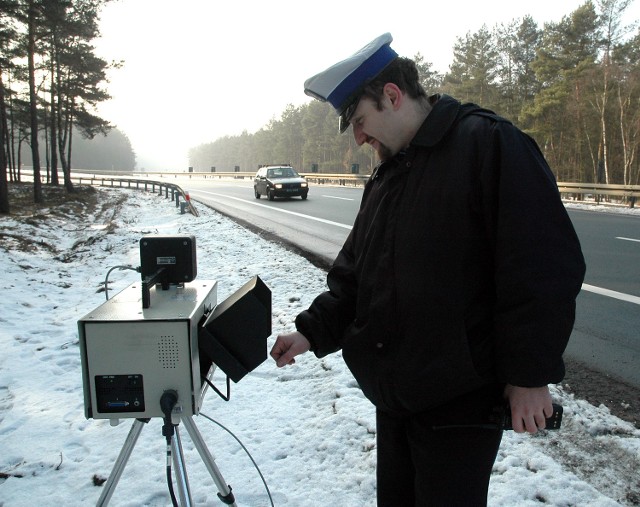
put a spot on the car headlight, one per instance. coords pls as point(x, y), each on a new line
point(303, 185)
point(278, 185)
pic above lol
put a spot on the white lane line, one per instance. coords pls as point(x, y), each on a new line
point(253, 203)
point(628, 239)
point(341, 198)
point(611, 293)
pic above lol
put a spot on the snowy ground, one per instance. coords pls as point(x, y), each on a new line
point(308, 427)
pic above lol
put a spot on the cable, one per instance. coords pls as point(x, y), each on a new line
point(246, 451)
point(174, 500)
point(168, 400)
point(106, 280)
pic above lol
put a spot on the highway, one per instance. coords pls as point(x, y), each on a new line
point(318, 225)
point(607, 331)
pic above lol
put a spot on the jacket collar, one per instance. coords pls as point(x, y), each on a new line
point(443, 115)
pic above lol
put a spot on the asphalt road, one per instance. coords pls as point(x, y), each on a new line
point(317, 226)
point(606, 338)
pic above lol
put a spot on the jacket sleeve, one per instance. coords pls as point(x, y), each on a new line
point(323, 324)
point(539, 267)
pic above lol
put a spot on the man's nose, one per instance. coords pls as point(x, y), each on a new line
point(358, 134)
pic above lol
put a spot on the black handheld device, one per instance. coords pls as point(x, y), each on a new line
point(553, 422)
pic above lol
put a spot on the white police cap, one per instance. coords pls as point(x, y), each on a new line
point(342, 83)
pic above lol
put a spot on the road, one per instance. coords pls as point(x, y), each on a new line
point(317, 226)
point(607, 330)
point(606, 337)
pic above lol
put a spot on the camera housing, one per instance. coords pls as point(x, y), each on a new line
point(174, 256)
point(131, 355)
point(166, 260)
point(133, 351)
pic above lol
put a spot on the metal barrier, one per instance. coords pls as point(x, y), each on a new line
point(318, 178)
point(579, 191)
point(163, 188)
point(597, 191)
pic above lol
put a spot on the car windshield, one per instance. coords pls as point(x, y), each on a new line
point(281, 172)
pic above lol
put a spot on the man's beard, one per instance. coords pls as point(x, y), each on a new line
point(384, 152)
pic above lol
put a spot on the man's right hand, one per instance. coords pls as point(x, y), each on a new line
point(288, 346)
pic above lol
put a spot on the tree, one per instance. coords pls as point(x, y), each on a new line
point(610, 20)
point(474, 70)
point(557, 117)
point(53, 37)
point(7, 36)
point(430, 80)
point(288, 142)
point(54, 17)
point(517, 43)
point(77, 74)
point(33, 13)
point(549, 80)
point(627, 85)
point(4, 191)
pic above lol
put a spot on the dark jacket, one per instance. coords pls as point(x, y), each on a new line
point(461, 269)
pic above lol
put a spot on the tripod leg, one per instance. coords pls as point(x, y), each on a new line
point(121, 462)
point(225, 494)
point(180, 470)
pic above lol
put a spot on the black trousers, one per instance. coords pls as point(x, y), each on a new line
point(442, 457)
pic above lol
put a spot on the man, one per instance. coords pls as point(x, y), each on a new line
point(456, 286)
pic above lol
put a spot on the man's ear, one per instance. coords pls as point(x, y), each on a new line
point(394, 94)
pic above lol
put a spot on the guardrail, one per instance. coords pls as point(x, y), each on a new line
point(597, 192)
point(318, 178)
point(163, 188)
point(630, 193)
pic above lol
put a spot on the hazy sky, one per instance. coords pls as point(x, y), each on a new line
point(197, 70)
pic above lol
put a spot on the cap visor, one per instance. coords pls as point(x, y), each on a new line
point(344, 120)
point(343, 124)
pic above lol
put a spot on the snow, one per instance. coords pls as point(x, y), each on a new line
point(308, 427)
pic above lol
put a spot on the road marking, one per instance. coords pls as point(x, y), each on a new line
point(253, 203)
point(611, 293)
point(628, 239)
point(341, 198)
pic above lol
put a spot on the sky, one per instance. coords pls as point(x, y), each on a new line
point(307, 427)
point(208, 69)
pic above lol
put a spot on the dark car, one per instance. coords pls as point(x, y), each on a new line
point(279, 181)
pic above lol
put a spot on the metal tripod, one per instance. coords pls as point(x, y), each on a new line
point(225, 494)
